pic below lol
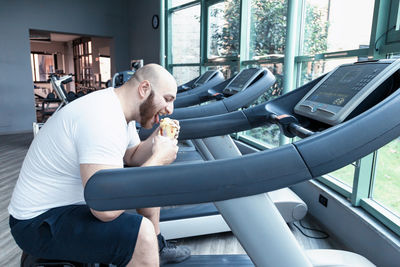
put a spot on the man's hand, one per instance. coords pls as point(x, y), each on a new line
point(164, 151)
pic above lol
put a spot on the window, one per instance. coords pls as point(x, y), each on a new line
point(310, 70)
point(105, 68)
point(267, 28)
point(180, 2)
point(186, 35)
point(42, 65)
point(185, 74)
point(386, 185)
point(83, 59)
point(227, 70)
point(223, 29)
point(330, 25)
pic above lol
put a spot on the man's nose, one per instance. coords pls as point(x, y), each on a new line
point(170, 108)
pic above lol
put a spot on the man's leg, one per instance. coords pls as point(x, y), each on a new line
point(153, 214)
point(169, 253)
point(146, 249)
point(73, 233)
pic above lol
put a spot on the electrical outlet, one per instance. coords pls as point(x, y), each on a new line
point(323, 200)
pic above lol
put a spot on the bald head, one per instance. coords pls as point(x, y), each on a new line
point(156, 75)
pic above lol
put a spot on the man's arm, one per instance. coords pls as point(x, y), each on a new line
point(87, 171)
point(142, 154)
point(136, 156)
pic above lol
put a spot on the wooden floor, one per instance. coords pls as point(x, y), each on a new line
point(13, 149)
point(12, 152)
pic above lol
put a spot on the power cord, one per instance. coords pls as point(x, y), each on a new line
point(324, 236)
point(383, 34)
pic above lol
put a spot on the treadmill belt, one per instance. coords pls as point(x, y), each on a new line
point(215, 261)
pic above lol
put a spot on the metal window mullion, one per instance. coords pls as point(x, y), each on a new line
point(379, 26)
point(362, 179)
point(334, 55)
point(203, 34)
point(184, 6)
point(168, 40)
point(300, 40)
point(162, 32)
point(385, 216)
point(293, 13)
point(244, 31)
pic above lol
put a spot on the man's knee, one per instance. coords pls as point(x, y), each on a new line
point(147, 235)
point(146, 249)
point(149, 212)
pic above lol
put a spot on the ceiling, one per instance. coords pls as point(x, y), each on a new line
point(44, 36)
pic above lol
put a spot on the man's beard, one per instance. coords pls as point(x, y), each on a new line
point(147, 111)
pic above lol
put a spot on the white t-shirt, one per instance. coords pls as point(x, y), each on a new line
point(93, 130)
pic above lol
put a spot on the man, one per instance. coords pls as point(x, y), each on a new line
point(48, 215)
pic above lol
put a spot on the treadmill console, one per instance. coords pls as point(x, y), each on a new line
point(242, 81)
point(205, 78)
point(342, 90)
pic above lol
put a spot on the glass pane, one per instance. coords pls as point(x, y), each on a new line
point(179, 2)
point(185, 74)
point(345, 175)
point(267, 28)
point(227, 70)
point(105, 69)
point(44, 65)
point(33, 68)
point(186, 35)
point(331, 25)
point(386, 189)
point(223, 29)
point(313, 69)
point(269, 134)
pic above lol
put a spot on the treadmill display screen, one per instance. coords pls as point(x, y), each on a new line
point(345, 83)
point(240, 81)
point(205, 77)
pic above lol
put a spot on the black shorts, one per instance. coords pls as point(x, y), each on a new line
point(73, 233)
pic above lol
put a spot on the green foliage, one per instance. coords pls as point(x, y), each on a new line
point(267, 28)
point(224, 28)
point(315, 32)
point(268, 22)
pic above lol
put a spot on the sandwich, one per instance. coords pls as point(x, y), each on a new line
point(169, 128)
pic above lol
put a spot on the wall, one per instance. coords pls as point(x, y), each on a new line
point(96, 18)
point(145, 41)
point(356, 229)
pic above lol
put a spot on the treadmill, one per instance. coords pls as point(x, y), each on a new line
point(237, 92)
point(210, 77)
point(202, 219)
point(339, 118)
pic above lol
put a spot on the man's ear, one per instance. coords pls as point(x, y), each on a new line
point(144, 89)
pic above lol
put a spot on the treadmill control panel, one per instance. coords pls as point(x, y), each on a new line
point(242, 80)
point(205, 77)
point(343, 89)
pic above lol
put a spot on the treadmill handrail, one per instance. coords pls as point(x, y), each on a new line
point(232, 103)
point(193, 183)
point(251, 174)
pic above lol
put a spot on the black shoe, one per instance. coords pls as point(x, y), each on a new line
point(171, 253)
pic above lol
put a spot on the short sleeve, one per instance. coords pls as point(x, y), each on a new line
point(101, 141)
point(133, 136)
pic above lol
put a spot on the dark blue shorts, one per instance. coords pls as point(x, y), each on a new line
point(73, 233)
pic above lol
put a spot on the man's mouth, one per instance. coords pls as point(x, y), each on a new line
point(157, 117)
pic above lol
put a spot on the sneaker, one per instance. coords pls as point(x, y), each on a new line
point(173, 254)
